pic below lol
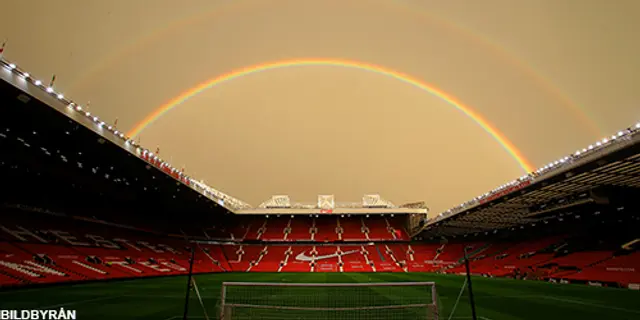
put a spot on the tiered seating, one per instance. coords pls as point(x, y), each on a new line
point(50, 249)
point(237, 257)
point(326, 259)
point(59, 250)
point(395, 227)
point(240, 228)
point(21, 265)
point(353, 259)
point(580, 259)
point(8, 281)
point(424, 257)
point(621, 269)
point(505, 258)
point(213, 257)
point(382, 258)
point(257, 229)
point(293, 264)
point(352, 229)
point(275, 228)
point(326, 228)
point(271, 259)
point(378, 228)
point(214, 232)
point(300, 228)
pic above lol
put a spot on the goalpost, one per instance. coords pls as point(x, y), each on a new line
point(309, 301)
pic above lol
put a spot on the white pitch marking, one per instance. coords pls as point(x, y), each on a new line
point(591, 304)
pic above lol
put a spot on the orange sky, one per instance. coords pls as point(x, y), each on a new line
point(552, 75)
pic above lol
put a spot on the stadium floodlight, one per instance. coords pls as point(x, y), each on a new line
point(275, 300)
point(590, 147)
point(12, 66)
point(37, 82)
point(49, 89)
point(26, 75)
point(88, 114)
point(95, 119)
point(78, 108)
point(638, 125)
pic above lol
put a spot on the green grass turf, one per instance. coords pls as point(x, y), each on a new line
point(163, 298)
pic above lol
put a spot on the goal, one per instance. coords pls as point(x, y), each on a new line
point(310, 301)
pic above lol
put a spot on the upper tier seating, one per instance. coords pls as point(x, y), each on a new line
point(327, 228)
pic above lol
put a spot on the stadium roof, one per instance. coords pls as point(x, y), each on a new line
point(471, 216)
point(600, 174)
point(86, 166)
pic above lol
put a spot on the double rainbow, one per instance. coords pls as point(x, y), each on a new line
point(506, 144)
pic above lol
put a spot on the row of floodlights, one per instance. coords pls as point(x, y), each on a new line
point(552, 165)
point(76, 107)
point(341, 216)
point(73, 106)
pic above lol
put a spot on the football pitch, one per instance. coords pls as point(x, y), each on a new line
point(496, 299)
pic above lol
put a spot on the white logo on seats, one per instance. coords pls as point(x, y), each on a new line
point(304, 257)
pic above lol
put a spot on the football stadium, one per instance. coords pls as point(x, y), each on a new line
point(558, 243)
point(95, 224)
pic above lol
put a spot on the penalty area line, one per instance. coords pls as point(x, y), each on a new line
point(590, 304)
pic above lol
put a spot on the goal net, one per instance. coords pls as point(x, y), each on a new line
point(309, 301)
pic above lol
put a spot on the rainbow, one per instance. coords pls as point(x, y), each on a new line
point(507, 145)
point(241, 7)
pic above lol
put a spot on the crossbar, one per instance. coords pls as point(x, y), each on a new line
point(358, 284)
point(257, 306)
